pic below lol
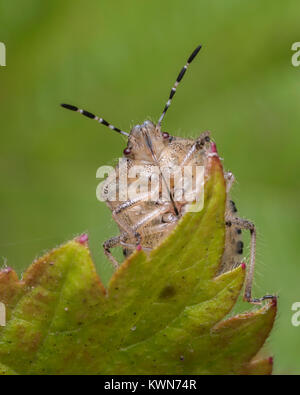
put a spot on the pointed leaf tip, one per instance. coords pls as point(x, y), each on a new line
point(83, 239)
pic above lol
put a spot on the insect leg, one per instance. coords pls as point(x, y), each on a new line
point(155, 229)
point(123, 207)
point(133, 246)
point(245, 224)
point(107, 245)
point(131, 203)
point(161, 228)
point(230, 179)
point(149, 217)
point(133, 231)
point(199, 144)
point(126, 228)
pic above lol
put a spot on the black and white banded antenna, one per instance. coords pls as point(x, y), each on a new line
point(179, 78)
point(92, 116)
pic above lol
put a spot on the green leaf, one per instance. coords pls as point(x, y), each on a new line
point(161, 314)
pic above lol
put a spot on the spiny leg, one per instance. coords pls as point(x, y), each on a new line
point(143, 221)
point(126, 228)
point(119, 241)
point(123, 207)
point(132, 231)
point(107, 245)
point(115, 242)
point(133, 246)
point(230, 179)
point(132, 203)
point(196, 147)
point(149, 217)
point(247, 225)
point(164, 227)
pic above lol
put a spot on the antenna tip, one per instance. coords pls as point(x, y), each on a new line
point(194, 54)
point(69, 107)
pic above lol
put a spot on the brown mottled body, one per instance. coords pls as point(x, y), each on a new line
point(144, 223)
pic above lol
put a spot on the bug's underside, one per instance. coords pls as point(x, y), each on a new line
point(142, 220)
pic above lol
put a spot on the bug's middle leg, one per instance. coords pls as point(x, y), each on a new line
point(247, 225)
point(111, 243)
point(118, 211)
point(135, 229)
point(241, 223)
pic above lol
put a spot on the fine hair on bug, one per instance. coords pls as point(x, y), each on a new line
point(143, 224)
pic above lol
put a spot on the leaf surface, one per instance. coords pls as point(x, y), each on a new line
point(161, 314)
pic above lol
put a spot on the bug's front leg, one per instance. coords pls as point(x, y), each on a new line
point(230, 179)
point(135, 230)
point(119, 241)
point(117, 215)
point(111, 243)
point(247, 225)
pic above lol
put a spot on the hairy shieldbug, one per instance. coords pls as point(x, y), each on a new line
point(144, 223)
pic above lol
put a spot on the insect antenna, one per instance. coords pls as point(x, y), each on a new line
point(179, 78)
point(92, 116)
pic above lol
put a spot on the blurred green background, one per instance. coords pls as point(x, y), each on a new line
point(119, 60)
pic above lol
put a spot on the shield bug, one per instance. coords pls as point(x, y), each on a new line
point(144, 222)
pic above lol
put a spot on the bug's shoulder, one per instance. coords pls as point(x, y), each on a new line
point(187, 150)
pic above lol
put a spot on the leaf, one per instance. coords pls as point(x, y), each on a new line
point(161, 314)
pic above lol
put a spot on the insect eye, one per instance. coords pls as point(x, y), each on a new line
point(165, 135)
point(127, 151)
